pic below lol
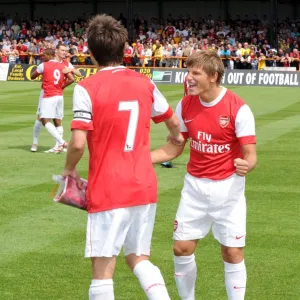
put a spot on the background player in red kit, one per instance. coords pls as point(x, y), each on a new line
point(51, 105)
point(112, 111)
point(221, 130)
point(60, 56)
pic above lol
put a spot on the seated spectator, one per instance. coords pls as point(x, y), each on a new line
point(127, 60)
point(271, 59)
point(147, 53)
point(3, 56)
point(286, 60)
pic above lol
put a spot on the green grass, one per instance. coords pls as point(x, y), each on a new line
point(42, 243)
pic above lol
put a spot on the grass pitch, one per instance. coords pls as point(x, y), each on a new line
point(42, 243)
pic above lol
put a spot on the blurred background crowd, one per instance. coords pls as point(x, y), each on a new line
point(243, 41)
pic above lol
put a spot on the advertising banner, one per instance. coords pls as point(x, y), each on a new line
point(3, 71)
point(18, 72)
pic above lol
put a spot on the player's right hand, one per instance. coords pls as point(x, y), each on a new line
point(176, 140)
point(74, 174)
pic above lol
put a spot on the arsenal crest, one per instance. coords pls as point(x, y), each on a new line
point(224, 121)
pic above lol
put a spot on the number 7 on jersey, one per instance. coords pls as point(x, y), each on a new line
point(133, 107)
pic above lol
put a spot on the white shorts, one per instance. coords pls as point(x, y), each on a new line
point(128, 228)
point(51, 108)
point(220, 204)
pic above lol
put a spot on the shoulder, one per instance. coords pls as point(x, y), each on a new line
point(89, 82)
point(233, 99)
point(235, 104)
point(188, 101)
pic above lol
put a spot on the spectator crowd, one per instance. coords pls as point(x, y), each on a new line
point(243, 43)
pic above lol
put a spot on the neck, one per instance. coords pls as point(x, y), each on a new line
point(58, 59)
point(210, 94)
point(110, 65)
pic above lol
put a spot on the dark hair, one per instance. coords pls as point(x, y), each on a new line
point(60, 44)
point(106, 40)
point(49, 51)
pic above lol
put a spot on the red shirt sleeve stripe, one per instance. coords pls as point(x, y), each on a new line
point(81, 125)
point(245, 140)
point(168, 114)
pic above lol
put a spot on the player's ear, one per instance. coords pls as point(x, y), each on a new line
point(214, 78)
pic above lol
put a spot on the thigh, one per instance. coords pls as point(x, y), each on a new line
point(103, 267)
point(106, 232)
point(229, 226)
point(192, 220)
point(60, 108)
point(48, 108)
point(139, 236)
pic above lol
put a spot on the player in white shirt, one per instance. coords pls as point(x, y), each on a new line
point(221, 130)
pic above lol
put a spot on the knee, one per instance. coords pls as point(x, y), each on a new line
point(132, 260)
point(184, 248)
point(232, 255)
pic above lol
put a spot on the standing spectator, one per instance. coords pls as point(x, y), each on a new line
point(225, 55)
point(32, 51)
point(261, 61)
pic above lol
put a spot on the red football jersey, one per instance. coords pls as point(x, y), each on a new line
point(170, 30)
point(186, 86)
point(216, 130)
point(53, 78)
point(115, 106)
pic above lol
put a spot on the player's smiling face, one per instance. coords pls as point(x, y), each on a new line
point(198, 81)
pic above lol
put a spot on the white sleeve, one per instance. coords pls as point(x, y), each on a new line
point(82, 105)
point(70, 66)
point(244, 122)
point(40, 68)
point(160, 105)
point(178, 112)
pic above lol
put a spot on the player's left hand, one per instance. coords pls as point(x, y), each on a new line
point(241, 166)
point(74, 174)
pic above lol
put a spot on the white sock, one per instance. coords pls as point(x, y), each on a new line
point(185, 276)
point(53, 132)
point(60, 130)
point(235, 280)
point(102, 290)
point(36, 131)
point(151, 280)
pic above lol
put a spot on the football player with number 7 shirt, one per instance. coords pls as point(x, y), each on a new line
point(112, 111)
point(51, 105)
point(221, 130)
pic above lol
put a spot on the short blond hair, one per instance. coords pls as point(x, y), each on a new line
point(209, 61)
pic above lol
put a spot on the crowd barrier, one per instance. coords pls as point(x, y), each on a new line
point(19, 72)
point(139, 60)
